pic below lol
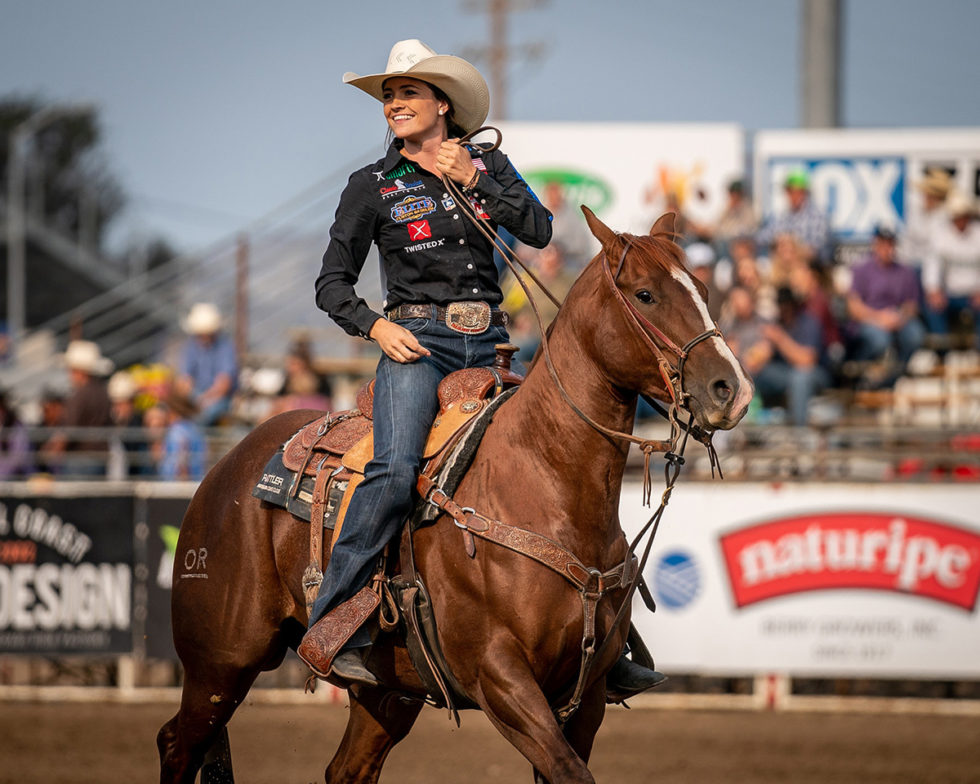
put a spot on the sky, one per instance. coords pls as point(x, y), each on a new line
point(215, 112)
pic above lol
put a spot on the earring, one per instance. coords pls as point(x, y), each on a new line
point(442, 111)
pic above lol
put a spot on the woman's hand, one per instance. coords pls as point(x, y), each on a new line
point(397, 342)
point(454, 161)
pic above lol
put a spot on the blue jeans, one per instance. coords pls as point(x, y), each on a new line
point(938, 320)
point(799, 385)
point(405, 405)
point(872, 342)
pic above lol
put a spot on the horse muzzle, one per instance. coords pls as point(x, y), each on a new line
point(720, 403)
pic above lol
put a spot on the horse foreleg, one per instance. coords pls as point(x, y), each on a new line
point(378, 720)
point(528, 723)
point(580, 730)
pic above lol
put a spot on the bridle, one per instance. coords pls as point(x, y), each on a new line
point(673, 375)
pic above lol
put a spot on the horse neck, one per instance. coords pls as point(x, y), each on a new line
point(586, 467)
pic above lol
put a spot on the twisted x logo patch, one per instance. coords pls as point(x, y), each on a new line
point(419, 230)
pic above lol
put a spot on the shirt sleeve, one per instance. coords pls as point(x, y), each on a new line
point(353, 230)
point(511, 203)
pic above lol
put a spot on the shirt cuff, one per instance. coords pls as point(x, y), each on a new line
point(364, 321)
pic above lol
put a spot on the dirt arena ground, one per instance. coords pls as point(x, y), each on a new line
point(71, 743)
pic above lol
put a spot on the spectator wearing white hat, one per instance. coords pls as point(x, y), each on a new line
point(927, 218)
point(87, 406)
point(951, 271)
point(208, 368)
point(129, 450)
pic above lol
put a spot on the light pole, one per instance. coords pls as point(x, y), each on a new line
point(16, 219)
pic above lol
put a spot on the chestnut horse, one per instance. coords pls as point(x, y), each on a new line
point(511, 629)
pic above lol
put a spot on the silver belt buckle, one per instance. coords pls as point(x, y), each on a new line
point(470, 318)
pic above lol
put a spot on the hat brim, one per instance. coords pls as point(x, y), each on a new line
point(458, 79)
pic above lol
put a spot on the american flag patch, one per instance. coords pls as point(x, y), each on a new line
point(478, 162)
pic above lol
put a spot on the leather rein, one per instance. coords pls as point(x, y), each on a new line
point(591, 584)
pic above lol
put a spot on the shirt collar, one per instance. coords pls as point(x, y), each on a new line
point(394, 158)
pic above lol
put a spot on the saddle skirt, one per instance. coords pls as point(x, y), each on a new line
point(315, 473)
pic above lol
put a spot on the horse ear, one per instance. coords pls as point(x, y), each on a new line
point(664, 225)
point(599, 230)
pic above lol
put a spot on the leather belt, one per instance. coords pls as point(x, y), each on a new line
point(467, 317)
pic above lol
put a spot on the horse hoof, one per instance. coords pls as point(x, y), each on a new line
point(348, 667)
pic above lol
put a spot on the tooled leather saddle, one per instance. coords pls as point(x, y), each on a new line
point(316, 471)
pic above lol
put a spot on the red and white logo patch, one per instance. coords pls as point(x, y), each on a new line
point(853, 550)
point(419, 230)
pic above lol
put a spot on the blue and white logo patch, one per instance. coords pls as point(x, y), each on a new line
point(676, 580)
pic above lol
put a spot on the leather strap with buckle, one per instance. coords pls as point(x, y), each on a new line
point(470, 318)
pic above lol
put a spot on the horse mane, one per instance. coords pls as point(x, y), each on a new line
point(661, 248)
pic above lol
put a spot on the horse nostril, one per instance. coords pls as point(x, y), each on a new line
point(722, 391)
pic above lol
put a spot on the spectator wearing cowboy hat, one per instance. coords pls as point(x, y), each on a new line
point(208, 368)
point(87, 406)
point(951, 271)
point(927, 217)
point(807, 224)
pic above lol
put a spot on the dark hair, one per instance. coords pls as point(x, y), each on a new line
point(454, 128)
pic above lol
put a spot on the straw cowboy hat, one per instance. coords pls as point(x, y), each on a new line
point(84, 355)
point(122, 386)
point(204, 319)
point(958, 203)
point(936, 182)
point(460, 81)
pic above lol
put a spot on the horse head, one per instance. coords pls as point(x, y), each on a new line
point(654, 311)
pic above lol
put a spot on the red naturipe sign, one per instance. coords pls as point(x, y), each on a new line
point(853, 550)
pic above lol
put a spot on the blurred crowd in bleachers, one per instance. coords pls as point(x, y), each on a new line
point(803, 323)
point(153, 421)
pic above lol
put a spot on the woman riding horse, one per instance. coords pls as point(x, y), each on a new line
point(436, 264)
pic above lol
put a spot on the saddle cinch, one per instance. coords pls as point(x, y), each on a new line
point(316, 471)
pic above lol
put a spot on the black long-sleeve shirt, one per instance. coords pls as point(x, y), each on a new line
point(430, 252)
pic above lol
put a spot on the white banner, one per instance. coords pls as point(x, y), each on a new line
point(863, 177)
point(623, 171)
point(814, 580)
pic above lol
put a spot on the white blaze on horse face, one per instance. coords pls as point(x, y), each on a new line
point(744, 394)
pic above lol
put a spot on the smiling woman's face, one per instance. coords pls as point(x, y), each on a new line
point(412, 109)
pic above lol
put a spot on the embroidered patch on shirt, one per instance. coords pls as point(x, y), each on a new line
point(425, 245)
point(449, 204)
point(412, 208)
point(401, 171)
point(481, 213)
point(478, 162)
point(419, 230)
point(400, 187)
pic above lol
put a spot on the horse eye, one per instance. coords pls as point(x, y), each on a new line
point(644, 296)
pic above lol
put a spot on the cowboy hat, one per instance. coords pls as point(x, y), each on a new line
point(122, 386)
point(84, 355)
point(958, 203)
point(204, 319)
point(936, 182)
point(461, 82)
